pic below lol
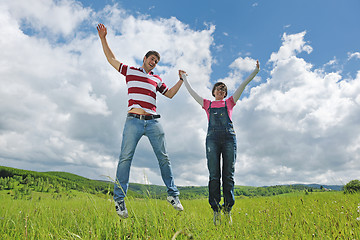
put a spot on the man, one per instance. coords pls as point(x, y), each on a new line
point(142, 119)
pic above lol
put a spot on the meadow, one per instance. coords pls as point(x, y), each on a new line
point(79, 215)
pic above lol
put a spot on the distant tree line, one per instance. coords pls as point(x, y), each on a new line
point(352, 187)
point(23, 183)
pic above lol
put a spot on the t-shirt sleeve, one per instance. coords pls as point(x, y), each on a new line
point(123, 69)
point(230, 102)
point(206, 104)
point(161, 87)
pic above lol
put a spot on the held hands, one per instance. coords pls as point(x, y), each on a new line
point(101, 30)
point(181, 73)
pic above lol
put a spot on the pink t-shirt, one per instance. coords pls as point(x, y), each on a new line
point(218, 104)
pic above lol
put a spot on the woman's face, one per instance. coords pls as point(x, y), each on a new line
point(219, 93)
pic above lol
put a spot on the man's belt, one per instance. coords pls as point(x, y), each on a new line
point(143, 117)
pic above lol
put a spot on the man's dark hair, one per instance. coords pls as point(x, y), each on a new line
point(152, 52)
point(221, 85)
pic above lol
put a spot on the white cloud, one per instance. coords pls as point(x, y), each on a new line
point(56, 17)
point(298, 125)
point(331, 62)
point(63, 105)
point(240, 69)
point(293, 44)
point(354, 55)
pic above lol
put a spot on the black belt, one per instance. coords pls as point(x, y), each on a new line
point(143, 117)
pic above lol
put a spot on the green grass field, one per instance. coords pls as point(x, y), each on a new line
point(327, 215)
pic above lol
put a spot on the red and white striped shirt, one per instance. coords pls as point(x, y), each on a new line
point(142, 88)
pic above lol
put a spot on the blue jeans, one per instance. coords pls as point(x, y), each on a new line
point(134, 129)
point(221, 143)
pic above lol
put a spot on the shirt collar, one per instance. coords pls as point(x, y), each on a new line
point(143, 70)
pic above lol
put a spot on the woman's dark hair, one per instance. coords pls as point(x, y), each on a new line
point(152, 52)
point(222, 86)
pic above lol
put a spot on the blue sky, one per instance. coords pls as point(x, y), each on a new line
point(63, 106)
point(255, 27)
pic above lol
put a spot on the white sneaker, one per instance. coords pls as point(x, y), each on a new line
point(175, 202)
point(121, 209)
point(228, 217)
point(217, 218)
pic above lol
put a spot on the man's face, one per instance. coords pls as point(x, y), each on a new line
point(150, 63)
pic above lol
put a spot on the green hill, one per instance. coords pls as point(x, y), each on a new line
point(49, 181)
point(56, 182)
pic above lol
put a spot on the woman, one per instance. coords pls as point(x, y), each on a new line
point(220, 141)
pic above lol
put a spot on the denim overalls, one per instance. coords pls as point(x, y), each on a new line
point(221, 141)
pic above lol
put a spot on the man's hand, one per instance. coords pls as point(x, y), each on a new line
point(101, 30)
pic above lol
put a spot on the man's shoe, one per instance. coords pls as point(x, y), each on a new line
point(217, 218)
point(175, 202)
point(121, 209)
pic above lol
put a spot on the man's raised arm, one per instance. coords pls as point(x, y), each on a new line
point(108, 53)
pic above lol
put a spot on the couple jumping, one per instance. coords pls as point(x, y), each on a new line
point(142, 119)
